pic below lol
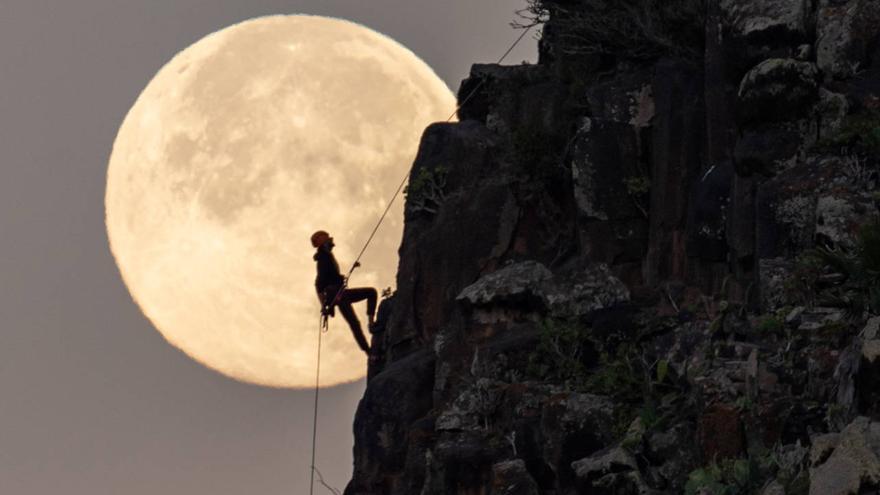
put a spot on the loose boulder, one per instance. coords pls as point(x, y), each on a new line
point(854, 462)
point(778, 89)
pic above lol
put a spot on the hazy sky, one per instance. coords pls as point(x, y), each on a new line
point(92, 399)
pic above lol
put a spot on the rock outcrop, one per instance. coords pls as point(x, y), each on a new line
point(643, 266)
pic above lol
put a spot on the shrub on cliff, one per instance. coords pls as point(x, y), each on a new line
point(859, 133)
point(860, 269)
point(839, 276)
point(426, 192)
point(633, 29)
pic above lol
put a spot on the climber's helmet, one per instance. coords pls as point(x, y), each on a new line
point(319, 238)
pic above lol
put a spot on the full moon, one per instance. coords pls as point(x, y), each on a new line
point(242, 146)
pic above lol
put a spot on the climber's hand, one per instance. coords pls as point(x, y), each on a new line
point(328, 311)
point(357, 264)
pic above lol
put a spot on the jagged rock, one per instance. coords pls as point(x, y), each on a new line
point(599, 190)
point(763, 21)
point(472, 409)
point(395, 399)
point(462, 463)
point(613, 470)
point(466, 150)
point(505, 356)
point(789, 214)
point(832, 110)
point(778, 89)
point(582, 292)
point(610, 179)
point(854, 463)
point(872, 329)
point(673, 451)
point(845, 380)
point(774, 488)
point(846, 31)
point(512, 99)
point(795, 316)
point(625, 99)
point(868, 378)
point(774, 274)
point(512, 478)
point(834, 221)
point(834, 31)
point(516, 284)
point(377, 343)
point(823, 446)
point(609, 188)
point(792, 462)
point(531, 285)
point(819, 318)
point(804, 53)
point(793, 223)
point(820, 201)
point(574, 426)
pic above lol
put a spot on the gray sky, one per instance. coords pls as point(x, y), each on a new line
point(92, 399)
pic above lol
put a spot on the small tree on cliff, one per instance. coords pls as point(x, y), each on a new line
point(632, 29)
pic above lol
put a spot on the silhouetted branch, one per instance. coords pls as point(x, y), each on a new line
point(636, 29)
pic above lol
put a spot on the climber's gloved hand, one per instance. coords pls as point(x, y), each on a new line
point(357, 264)
point(328, 311)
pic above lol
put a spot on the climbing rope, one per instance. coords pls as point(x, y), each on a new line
point(406, 175)
point(323, 325)
point(480, 85)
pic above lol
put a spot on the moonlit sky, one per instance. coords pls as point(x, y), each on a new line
point(92, 399)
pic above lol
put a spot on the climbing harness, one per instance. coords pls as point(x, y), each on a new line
point(324, 324)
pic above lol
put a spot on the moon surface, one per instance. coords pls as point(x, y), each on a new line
point(238, 149)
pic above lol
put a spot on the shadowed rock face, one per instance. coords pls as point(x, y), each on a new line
point(602, 286)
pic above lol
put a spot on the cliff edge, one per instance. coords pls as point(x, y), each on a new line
point(647, 264)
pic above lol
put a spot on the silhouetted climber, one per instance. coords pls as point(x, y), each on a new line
point(330, 281)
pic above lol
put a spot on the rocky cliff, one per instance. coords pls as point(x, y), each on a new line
point(647, 264)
